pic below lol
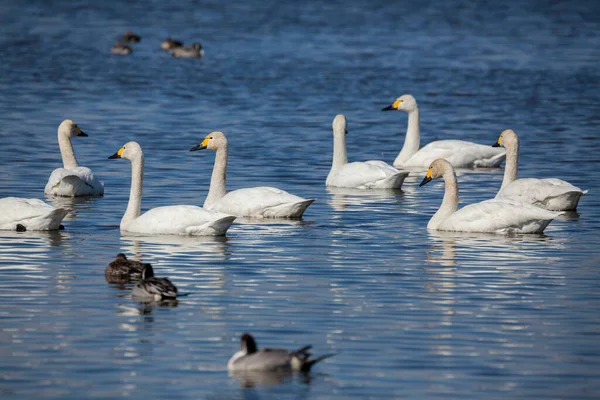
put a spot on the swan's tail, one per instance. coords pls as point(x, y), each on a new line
point(49, 222)
point(491, 162)
point(216, 227)
point(392, 182)
point(289, 210)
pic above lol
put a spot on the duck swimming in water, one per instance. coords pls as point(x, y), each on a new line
point(120, 49)
point(250, 358)
point(131, 37)
point(151, 288)
point(122, 270)
point(170, 44)
point(194, 51)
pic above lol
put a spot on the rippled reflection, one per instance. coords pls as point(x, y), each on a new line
point(342, 198)
point(74, 204)
point(170, 245)
point(448, 248)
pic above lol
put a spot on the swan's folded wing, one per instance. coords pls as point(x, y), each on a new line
point(532, 190)
point(33, 213)
point(460, 153)
point(366, 174)
point(82, 179)
point(253, 201)
point(175, 220)
point(495, 216)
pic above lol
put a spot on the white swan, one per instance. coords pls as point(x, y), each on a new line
point(460, 153)
point(19, 214)
point(550, 193)
point(494, 216)
point(168, 220)
point(72, 180)
point(360, 175)
point(261, 201)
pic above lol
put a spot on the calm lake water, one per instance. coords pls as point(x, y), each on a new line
point(411, 313)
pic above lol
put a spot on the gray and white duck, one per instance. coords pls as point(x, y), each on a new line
point(250, 358)
point(151, 288)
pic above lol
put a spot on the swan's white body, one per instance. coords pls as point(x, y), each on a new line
point(261, 202)
point(360, 175)
point(460, 153)
point(493, 216)
point(168, 220)
point(550, 193)
point(72, 180)
point(32, 214)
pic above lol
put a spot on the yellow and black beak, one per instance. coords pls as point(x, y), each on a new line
point(427, 178)
point(393, 106)
point(80, 132)
point(497, 144)
point(117, 154)
point(202, 145)
point(198, 147)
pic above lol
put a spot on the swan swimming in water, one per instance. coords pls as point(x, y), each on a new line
point(549, 193)
point(20, 214)
point(166, 220)
point(493, 216)
point(250, 358)
point(358, 174)
point(72, 180)
point(261, 201)
point(460, 153)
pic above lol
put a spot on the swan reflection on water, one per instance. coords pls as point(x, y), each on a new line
point(34, 238)
point(168, 245)
point(73, 204)
point(451, 248)
point(342, 198)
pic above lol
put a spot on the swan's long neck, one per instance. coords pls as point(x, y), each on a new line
point(340, 155)
point(512, 164)
point(449, 203)
point(66, 151)
point(135, 194)
point(412, 141)
point(218, 179)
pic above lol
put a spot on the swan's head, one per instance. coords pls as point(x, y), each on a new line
point(70, 129)
point(248, 344)
point(129, 151)
point(340, 125)
point(213, 141)
point(508, 139)
point(437, 169)
point(406, 103)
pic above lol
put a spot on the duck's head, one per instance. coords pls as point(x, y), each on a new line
point(340, 125)
point(121, 257)
point(436, 169)
point(129, 151)
point(147, 272)
point(507, 139)
point(248, 344)
point(213, 141)
point(70, 129)
point(406, 103)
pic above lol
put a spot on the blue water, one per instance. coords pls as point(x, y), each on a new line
point(411, 313)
